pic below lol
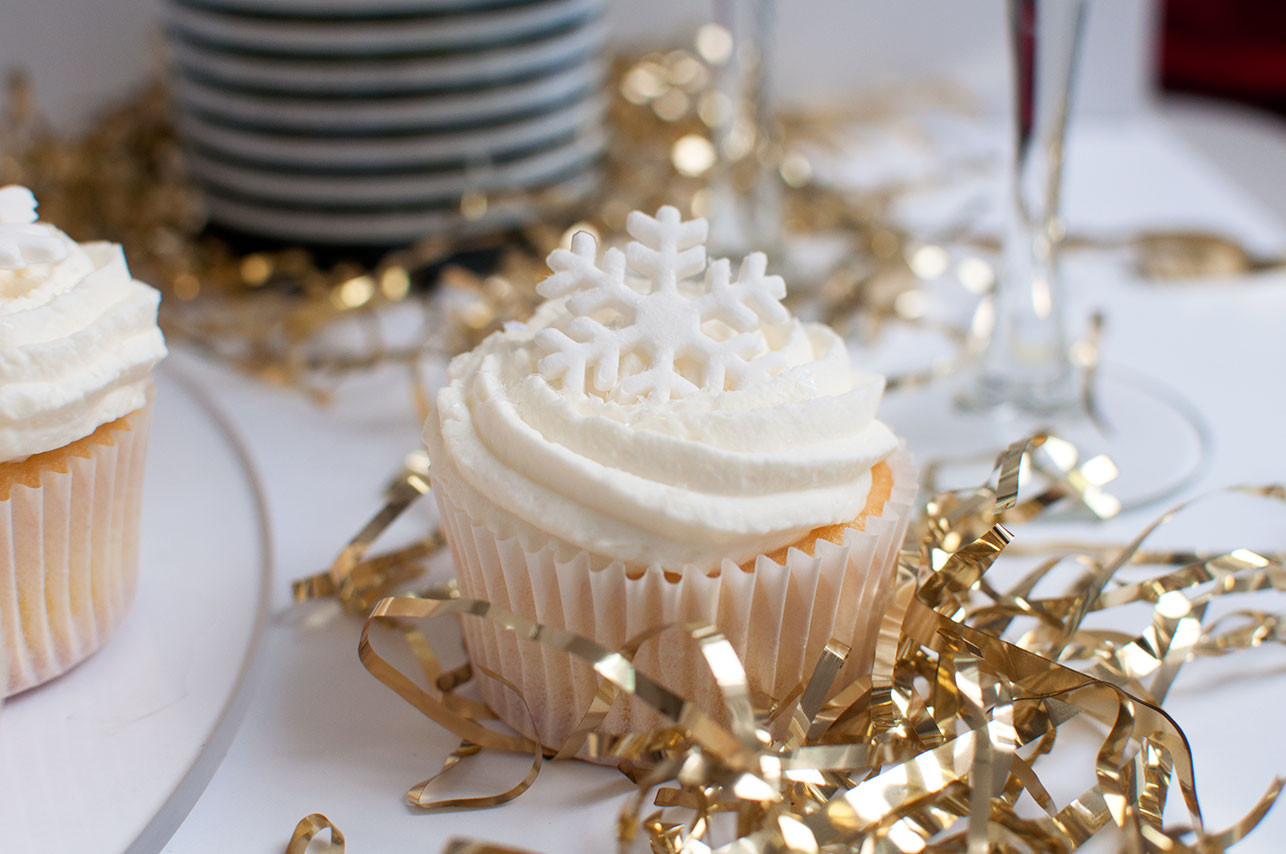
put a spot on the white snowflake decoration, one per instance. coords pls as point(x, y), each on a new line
point(663, 333)
point(22, 243)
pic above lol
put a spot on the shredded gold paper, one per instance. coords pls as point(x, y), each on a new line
point(973, 685)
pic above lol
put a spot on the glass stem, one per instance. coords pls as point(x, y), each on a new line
point(745, 197)
point(1026, 364)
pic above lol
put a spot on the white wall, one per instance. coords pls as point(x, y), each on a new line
point(83, 52)
point(79, 53)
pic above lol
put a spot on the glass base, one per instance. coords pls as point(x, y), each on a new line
point(1158, 440)
point(1056, 394)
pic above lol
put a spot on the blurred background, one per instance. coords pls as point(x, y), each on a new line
point(340, 155)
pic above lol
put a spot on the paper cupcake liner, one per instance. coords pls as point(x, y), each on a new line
point(69, 548)
point(777, 617)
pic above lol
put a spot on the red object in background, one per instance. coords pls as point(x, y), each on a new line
point(1234, 49)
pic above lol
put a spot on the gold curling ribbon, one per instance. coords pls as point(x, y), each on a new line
point(359, 583)
point(933, 750)
point(308, 828)
point(311, 826)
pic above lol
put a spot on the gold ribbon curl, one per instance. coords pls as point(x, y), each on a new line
point(933, 751)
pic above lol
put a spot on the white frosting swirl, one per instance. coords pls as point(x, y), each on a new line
point(78, 338)
point(682, 482)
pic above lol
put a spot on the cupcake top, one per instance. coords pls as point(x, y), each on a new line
point(78, 335)
point(657, 409)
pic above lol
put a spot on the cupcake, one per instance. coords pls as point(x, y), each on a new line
point(663, 442)
point(78, 342)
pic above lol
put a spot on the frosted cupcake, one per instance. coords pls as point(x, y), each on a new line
point(663, 442)
point(78, 342)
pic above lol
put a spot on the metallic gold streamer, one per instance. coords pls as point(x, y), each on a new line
point(933, 750)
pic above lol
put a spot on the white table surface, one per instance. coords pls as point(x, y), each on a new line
point(322, 735)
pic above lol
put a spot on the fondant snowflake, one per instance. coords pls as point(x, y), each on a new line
point(665, 332)
point(22, 243)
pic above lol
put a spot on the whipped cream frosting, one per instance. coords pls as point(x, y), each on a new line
point(78, 335)
point(722, 471)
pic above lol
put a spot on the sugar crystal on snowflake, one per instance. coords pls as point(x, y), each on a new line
point(656, 322)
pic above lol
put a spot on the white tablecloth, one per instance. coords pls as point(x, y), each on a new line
point(322, 735)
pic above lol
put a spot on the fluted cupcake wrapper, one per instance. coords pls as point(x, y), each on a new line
point(778, 617)
point(69, 551)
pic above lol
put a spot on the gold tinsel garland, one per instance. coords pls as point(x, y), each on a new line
point(972, 686)
point(266, 312)
point(935, 749)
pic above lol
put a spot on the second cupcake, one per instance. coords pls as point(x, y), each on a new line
point(664, 442)
point(78, 344)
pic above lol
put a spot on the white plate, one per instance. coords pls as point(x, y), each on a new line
point(378, 77)
point(314, 115)
point(111, 756)
point(539, 168)
point(347, 37)
point(389, 228)
point(358, 8)
point(410, 151)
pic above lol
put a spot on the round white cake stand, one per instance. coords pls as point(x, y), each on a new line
point(111, 756)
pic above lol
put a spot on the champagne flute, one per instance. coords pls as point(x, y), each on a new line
point(1025, 381)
